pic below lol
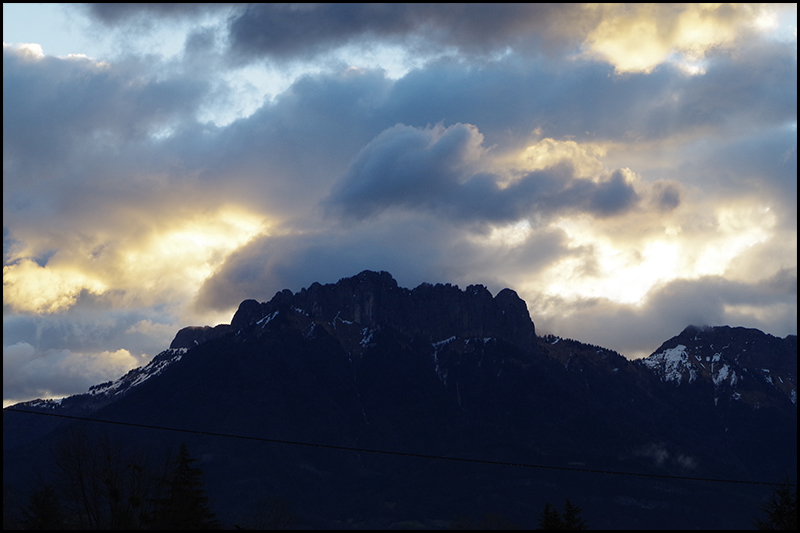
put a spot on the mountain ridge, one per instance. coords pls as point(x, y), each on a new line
point(473, 313)
point(363, 363)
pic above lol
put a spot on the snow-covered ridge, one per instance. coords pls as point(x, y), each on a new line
point(105, 393)
point(139, 375)
point(739, 369)
point(46, 404)
point(682, 365)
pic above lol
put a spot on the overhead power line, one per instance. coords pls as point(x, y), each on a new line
point(388, 452)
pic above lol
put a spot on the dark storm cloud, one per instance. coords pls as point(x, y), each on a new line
point(435, 169)
point(261, 157)
point(122, 13)
point(295, 31)
point(283, 31)
point(200, 43)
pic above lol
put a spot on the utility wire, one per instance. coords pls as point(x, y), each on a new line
point(385, 452)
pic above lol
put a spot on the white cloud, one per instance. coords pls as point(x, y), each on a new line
point(26, 51)
point(28, 374)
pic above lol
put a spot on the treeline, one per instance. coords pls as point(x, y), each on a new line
point(551, 518)
point(98, 484)
point(551, 339)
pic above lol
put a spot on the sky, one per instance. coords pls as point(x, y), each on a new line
point(628, 169)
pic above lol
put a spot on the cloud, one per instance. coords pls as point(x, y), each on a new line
point(446, 169)
point(769, 304)
point(67, 352)
point(414, 247)
point(145, 14)
point(666, 195)
point(65, 109)
point(409, 166)
point(31, 288)
point(291, 32)
point(56, 373)
point(268, 264)
point(639, 37)
point(280, 32)
point(630, 37)
point(135, 266)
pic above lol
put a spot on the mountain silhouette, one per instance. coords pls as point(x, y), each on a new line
point(447, 381)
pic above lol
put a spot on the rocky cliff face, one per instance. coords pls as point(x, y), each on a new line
point(191, 336)
point(432, 312)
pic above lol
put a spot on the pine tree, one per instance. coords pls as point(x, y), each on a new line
point(186, 504)
point(569, 519)
point(551, 518)
point(572, 516)
point(781, 509)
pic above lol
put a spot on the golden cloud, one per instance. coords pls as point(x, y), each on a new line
point(639, 37)
point(30, 288)
point(140, 267)
point(548, 152)
point(623, 260)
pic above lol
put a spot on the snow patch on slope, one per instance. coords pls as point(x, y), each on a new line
point(672, 364)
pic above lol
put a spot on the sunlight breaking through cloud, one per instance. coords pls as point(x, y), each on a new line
point(174, 260)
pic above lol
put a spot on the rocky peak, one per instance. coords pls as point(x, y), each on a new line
point(435, 312)
point(741, 363)
point(191, 336)
point(249, 311)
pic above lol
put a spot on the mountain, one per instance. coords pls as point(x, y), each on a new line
point(735, 364)
point(439, 371)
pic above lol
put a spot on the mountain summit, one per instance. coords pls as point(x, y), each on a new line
point(368, 404)
point(739, 364)
point(370, 299)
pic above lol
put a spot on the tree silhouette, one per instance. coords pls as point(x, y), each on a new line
point(569, 519)
point(186, 504)
point(44, 511)
point(101, 484)
point(489, 522)
point(572, 516)
point(551, 518)
point(781, 508)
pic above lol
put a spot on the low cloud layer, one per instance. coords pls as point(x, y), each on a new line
point(623, 195)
